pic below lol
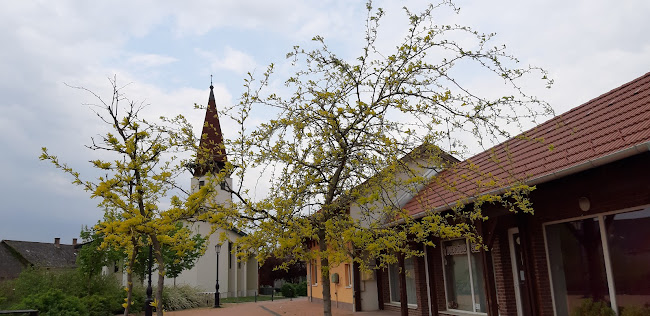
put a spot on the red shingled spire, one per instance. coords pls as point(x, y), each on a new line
point(212, 153)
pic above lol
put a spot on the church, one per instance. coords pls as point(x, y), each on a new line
point(236, 279)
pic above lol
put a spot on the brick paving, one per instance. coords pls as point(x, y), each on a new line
point(284, 307)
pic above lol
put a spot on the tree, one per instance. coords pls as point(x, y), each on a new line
point(139, 170)
point(175, 263)
point(269, 272)
point(360, 132)
point(91, 257)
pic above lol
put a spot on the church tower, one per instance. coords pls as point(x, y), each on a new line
point(235, 278)
point(211, 156)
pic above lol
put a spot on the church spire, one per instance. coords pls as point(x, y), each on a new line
point(212, 152)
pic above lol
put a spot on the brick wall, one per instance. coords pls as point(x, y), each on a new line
point(503, 274)
point(613, 187)
point(420, 290)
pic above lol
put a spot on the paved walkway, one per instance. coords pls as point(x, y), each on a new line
point(284, 307)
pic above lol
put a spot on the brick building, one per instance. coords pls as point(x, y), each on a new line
point(589, 237)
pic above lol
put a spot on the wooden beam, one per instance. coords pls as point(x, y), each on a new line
point(488, 275)
point(528, 265)
point(403, 299)
point(380, 286)
point(433, 291)
point(357, 286)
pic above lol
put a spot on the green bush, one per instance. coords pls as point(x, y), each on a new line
point(288, 290)
point(100, 295)
point(591, 308)
point(635, 311)
point(6, 294)
point(98, 305)
point(53, 303)
point(182, 297)
point(139, 294)
point(301, 289)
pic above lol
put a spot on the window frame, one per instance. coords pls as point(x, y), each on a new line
point(471, 278)
point(348, 275)
point(313, 268)
point(390, 291)
point(604, 244)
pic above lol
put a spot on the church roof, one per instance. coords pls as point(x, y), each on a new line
point(211, 147)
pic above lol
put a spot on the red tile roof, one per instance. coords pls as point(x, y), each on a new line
point(610, 124)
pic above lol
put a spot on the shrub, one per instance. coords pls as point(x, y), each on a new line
point(635, 311)
point(100, 295)
point(98, 305)
point(288, 290)
point(591, 308)
point(301, 289)
point(53, 303)
point(182, 297)
point(139, 294)
point(7, 297)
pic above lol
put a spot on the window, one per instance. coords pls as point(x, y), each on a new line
point(463, 277)
point(393, 279)
point(348, 276)
point(314, 273)
point(229, 255)
point(201, 183)
point(602, 258)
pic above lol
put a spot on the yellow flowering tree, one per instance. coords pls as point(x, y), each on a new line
point(139, 171)
point(349, 140)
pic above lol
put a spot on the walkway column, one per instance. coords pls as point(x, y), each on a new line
point(487, 233)
point(528, 264)
point(404, 308)
point(433, 290)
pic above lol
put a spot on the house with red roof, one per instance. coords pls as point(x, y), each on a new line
point(587, 239)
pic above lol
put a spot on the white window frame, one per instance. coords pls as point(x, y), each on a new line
point(471, 278)
point(603, 238)
point(390, 290)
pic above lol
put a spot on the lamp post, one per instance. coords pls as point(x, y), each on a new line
point(148, 310)
point(217, 249)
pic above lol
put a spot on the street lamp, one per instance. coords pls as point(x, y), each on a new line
point(217, 249)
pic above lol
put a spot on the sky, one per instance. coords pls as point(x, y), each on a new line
point(166, 51)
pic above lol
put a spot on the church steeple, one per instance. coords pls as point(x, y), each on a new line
point(212, 152)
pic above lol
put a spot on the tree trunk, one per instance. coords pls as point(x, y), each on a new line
point(325, 274)
point(129, 282)
point(161, 274)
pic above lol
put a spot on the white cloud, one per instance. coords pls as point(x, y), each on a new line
point(150, 60)
point(231, 59)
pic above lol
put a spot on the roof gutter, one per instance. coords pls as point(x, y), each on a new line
point(589, 164)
